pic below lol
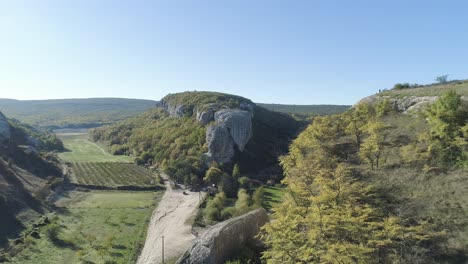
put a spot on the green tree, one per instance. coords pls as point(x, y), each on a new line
point(357, 119)
point(236, 172)
point(215, 206)
point(213, 175)
point(257, 197)
point(442, 79)
point(242, 203)
point(445, 139)
point(371, 148)
point(327, 216)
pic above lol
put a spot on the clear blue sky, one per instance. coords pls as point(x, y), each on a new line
point(295, 52)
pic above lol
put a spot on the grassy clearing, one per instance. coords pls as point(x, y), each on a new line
point(110, 174)
point(80, 149)
point(96, 227)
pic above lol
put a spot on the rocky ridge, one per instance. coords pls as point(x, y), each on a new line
point(228, 129)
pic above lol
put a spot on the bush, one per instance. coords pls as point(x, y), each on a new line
point(257, 197)
point(399, 86)
point(228, 213)
point(242, 203)
point(244, 182)
point(212, 213)
point(53, 231)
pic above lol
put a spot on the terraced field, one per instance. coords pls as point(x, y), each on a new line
point(110, 174)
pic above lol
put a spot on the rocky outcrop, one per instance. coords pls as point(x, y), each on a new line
point(405, 104)
point(233, 128)
point(4, 128)
point(172, 110)
point(205, 117)
point(224, 240)
point(220, 144)
point(239, 124)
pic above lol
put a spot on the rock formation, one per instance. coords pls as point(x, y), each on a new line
point(172, 110)
point(405, 104)
point(233, 126)
point(220, 143)
point(4, 128)
point(239, 124)
point(224, 240)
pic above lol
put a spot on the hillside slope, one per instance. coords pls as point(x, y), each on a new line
point(306, 109)
point(189, 131)
point(384, 182)
point(28, 174)
point(65, 113)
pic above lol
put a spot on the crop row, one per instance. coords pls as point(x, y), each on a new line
point(110, 174)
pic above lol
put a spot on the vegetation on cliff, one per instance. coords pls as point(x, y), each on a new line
point(177, 145)
point(375, 186)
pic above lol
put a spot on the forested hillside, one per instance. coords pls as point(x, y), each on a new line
point(376, 185)
point(173, 136)
point(69, 113)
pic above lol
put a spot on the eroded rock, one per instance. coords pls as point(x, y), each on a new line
point(220, 144)
point(224, 240)
point(239, 124)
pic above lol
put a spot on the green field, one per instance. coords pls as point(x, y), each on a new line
point(96, 227)
point(110, 174)
point(80, 149)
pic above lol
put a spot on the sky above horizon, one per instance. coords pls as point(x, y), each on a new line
point(290, 52)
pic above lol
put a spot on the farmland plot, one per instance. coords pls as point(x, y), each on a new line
point(111, 174)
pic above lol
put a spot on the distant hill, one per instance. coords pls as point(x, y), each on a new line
point(66, 113)
point(306, 109)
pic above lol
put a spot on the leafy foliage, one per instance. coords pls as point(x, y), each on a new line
point(333, 211)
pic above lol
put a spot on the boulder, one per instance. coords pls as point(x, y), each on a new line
point(239, 124)
point(4, 128)
point(220, 144)
point(205, 117)
point(224, 240)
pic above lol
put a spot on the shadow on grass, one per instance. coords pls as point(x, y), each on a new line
point(61, 243)
point(120, 247)
point(116, 254)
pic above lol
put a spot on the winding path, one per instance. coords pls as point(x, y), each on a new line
point(171, 219)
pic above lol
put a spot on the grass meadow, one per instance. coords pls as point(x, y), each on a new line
point(80, 149)
point(94, 227)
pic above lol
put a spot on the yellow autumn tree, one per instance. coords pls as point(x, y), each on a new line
point(327, 216)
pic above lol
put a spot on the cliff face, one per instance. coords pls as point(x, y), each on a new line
point(232, 128)
point(4, 128)
point(225, 239)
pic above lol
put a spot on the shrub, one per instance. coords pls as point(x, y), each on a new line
point(53, 231)
point(257, 197)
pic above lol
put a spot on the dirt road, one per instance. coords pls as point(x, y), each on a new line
point(171, 220)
